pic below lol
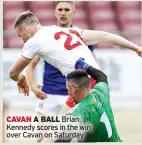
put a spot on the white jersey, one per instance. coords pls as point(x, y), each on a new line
point(60, 47)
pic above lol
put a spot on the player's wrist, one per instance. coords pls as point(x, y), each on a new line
point(85, 66)
point(33, 87)
point(21, 77)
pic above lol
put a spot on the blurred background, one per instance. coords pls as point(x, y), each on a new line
point(123, 67)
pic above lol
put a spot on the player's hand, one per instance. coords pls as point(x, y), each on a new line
point(139, 51)
point(37, 91)
point(80, 64)
point(23, 85)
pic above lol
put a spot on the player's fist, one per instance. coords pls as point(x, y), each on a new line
point(80, 64)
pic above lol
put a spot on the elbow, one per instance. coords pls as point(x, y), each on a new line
point(105, 78)
point(12, 75)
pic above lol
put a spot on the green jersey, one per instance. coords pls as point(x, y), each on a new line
point(95, 109)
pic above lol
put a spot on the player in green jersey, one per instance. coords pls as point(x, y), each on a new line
point(93, 106)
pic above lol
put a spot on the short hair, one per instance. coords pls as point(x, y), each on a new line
point(56, 3)
point(80, 78)
point(27, 18)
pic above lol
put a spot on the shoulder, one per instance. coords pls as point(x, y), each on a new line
point(101, 88)
point(32, 47)
point(101, 85)
point(30, 43)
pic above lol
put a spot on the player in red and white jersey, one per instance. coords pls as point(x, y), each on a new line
point(68, 44)
point(70, 47)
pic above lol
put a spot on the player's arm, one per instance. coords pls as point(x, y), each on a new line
point(30, 70)
point(96, 74)
point(15, 74)
point(29, 51)
point(30, 77)
point(92, 49)
point(93, 37)
point(16, 69)
point(95, 57)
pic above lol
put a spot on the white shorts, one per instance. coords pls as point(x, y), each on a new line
point(53, 103)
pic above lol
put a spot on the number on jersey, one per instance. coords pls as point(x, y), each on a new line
point(68, 41)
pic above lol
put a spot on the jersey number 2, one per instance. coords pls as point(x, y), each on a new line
point(105, 120)
point(68, 41)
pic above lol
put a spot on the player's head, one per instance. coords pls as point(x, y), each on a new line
point(26, 25)
point(64, 11)
point(78, 84)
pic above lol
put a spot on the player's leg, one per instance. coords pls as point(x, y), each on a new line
point(67, 106)
point(41, 111)
point(65, 109)
point(49, 107)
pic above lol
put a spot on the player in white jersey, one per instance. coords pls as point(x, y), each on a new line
point(70, 47)
point(71, 44)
